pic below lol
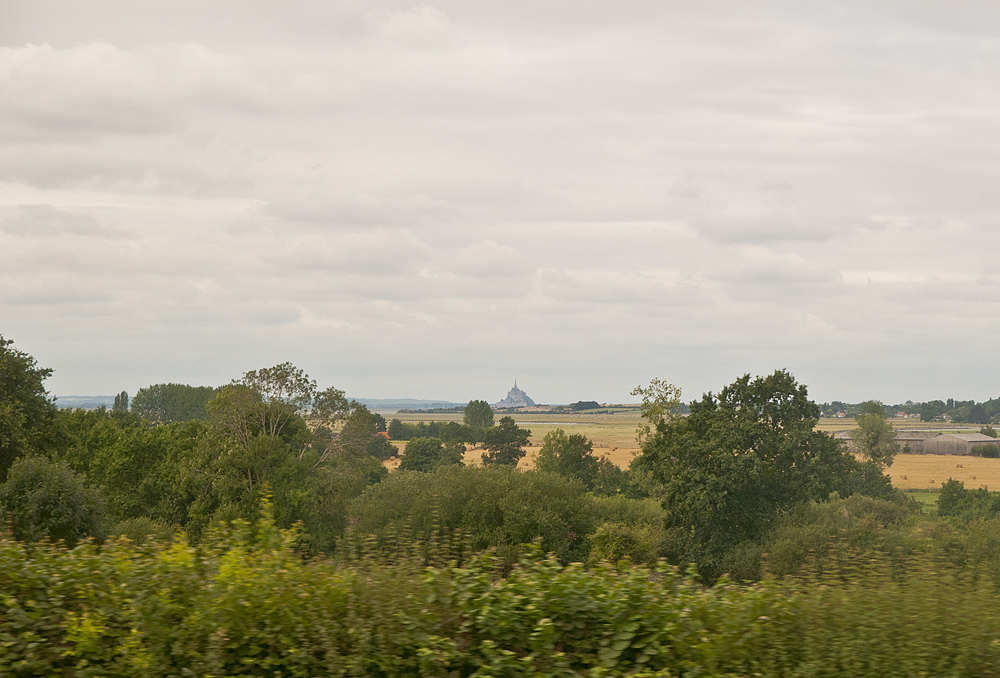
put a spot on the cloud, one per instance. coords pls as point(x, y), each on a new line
point(46, 221)
point(588, 195)
point(100, 88)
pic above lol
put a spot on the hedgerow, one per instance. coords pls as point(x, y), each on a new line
point(250, 605)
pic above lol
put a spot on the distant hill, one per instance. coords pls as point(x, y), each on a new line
point(84, 402)
point(406, 404)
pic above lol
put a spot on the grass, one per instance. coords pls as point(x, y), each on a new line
point(927, 498)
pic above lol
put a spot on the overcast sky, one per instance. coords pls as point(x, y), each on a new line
point(431, 201)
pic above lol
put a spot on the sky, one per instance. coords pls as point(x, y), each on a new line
point(433, 200)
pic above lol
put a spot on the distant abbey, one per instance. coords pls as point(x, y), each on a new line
point(515, 398)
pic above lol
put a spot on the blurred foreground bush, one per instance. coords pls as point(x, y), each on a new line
point(248, 605)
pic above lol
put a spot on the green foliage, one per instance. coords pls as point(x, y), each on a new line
point(26, 413)
point(121, 402)
point(494, 507)
point(573, 456)
point(399, 430)
point(380, 448)
point(875, 437)
point(427, 454)
point(956, 500)
point(478, 415)
point(166, 403)
point(141, 470)
point(139, 530)
point(568, 455)
point(988, 431)
point(251, 606)
point(45, 499)
point(453, 432)
point(729, 469)
point(838, 535)
point(987, 451)
point(661, 404)
point(503, 443)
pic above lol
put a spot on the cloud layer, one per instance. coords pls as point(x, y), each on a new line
point(430, 201)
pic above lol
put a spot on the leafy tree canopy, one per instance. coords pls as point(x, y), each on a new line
point(741, 457)
point(875, 438)
point(47, 499)
point(503, 443)
point(573, 456)
point(27, 415)
point(427, 454)
point(478, 414)
point(165, 403)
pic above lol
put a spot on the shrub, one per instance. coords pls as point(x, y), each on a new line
point(494, 507)
point(138, 530)
point(986, 451)
point(46, 499)
point(427, 454)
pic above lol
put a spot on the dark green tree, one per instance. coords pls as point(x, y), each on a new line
point(395, 429)
point(380, 448)
point(427, 454)
point(737, 461)
point(27, 415)
point(121, 402)
point(478, 415)
point(457, 433)
point(47, 499)
point(165, 403)
point(568, 455)
point(503, 443)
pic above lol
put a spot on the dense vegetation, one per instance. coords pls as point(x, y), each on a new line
point(958, 411)
point(265, 537)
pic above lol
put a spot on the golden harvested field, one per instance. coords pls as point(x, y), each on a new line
point(928, 471)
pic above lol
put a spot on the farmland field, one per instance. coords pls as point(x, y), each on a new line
point(614, 437)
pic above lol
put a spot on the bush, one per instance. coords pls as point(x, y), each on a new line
point(986, 451)
point(250, 606)
point(427, 454)
point(494, 507)
point(138, 530)
point(613, 542)
point(45, 499)
point(844, 529)
point(380, 448)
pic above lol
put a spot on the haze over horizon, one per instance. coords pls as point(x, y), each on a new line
point(426, 201)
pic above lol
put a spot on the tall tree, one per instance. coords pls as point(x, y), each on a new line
point(737, 461)
point(568, 455)
point(478, 414)
point(875, 438)
point(121, 402)
point(503, 443)
point(27, 415)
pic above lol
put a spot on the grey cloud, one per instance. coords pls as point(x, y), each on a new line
point(689, 191)
point(47, 221)
point(100, 88)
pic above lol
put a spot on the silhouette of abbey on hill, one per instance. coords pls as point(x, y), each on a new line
point(515, 398)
